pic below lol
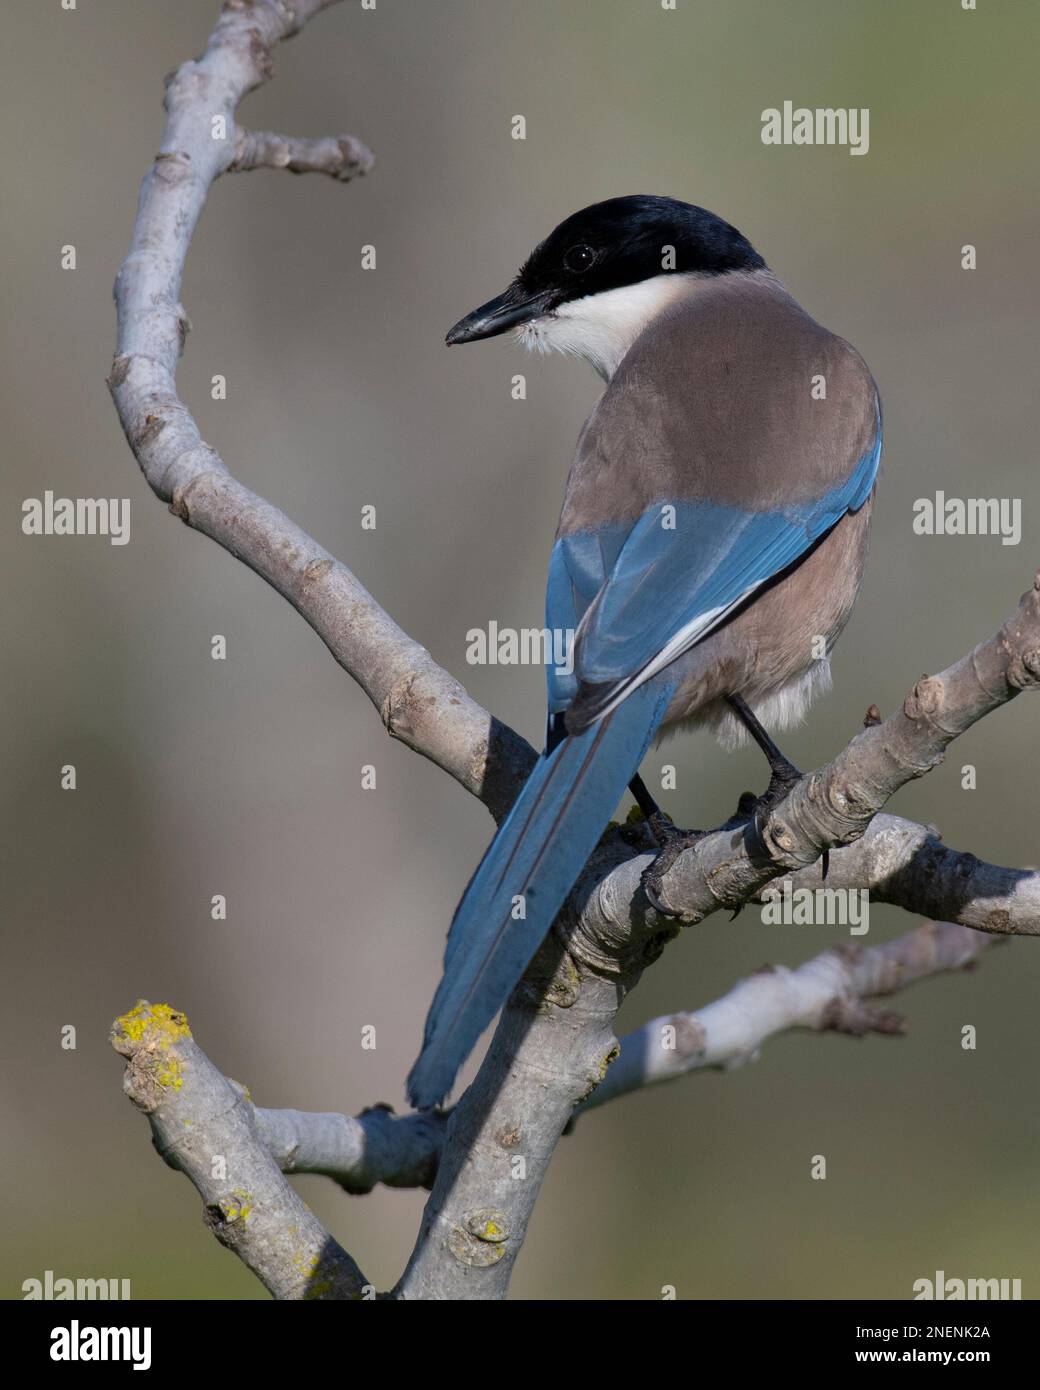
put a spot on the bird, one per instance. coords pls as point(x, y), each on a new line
point(710, 548)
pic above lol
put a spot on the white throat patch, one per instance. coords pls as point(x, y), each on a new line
point(602, 327)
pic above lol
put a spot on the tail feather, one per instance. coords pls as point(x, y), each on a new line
point(525, 876)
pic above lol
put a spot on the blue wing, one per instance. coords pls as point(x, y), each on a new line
point(641, 596)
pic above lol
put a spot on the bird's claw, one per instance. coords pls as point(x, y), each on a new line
point(672, 842)
point(783, 779)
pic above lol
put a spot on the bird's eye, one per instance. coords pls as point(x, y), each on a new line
point(578, 259)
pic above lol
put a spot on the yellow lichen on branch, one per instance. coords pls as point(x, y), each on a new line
point(148, 1037)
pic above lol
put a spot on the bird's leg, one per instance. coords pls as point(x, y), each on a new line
point(783, 774)
point(644, 798)
point(670, 839)
point(659, 821)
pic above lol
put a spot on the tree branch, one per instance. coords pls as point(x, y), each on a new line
point(552, 1047)
point(203, 1126)
point(375, 1147)
point(418, 702)
point(826, 994)
point(907, 865)
point(342, 157)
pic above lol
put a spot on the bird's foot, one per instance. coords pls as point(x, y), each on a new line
point(672, 841)
point(784, 777)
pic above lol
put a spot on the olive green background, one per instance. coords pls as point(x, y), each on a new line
point(244, 777)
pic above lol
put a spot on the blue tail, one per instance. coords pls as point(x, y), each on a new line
point(530, 867)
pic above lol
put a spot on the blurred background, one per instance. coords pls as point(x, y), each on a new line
point(243, 777)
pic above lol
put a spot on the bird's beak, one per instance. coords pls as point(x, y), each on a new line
point(516, 306)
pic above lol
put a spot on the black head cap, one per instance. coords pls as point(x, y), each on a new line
point(618, 242)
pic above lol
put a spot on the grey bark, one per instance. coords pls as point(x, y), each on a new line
point(376, 1146)
point(826, 994)
point(410, 691)
point(202, 1125)
point(197, 1114)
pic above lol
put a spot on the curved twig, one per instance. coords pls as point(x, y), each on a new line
point(419, 702)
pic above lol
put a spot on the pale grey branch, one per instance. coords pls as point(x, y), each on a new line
point(907, 865)
point(203, 1126)
point(418, 702)
point(375, 1147)
point(827, 993)
point(342, 157)
point(550, 1050)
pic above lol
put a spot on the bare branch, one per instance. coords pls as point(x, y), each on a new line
point(418, 702)
point(907, 865)
point(825, 994)
point(375, 1147)
point(342, 157)
point(551, 1049)
point(203, 1126)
